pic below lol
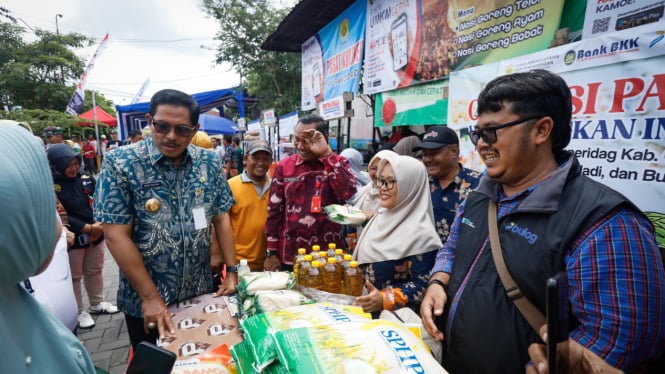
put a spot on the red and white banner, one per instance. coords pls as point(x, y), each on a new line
point(75, 103)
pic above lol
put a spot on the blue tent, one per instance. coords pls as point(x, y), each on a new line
point(214, 125)
point(133, 116)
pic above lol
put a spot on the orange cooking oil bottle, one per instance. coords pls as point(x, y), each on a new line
point(353, 279)
point(296, 264)
point(314, 276)
point(332, 276)
point(303, 270)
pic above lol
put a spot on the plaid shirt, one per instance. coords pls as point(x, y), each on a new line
point(622, 311)
point(291, 224)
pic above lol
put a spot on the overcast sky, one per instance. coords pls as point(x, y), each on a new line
point(169, 41)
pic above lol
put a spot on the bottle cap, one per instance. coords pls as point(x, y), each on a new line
point(353, 264)
point(348, 257)
point(332, 245)
point(302, 251)
point(316, 263)
point(316, 248)
point(243, 262)
point(332, 260)
point(308, 257)
point(339, 251)
point(323, 254)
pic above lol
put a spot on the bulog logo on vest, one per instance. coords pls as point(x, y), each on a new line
point(523, 232)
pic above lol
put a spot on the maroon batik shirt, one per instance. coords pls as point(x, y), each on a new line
point(291, 223)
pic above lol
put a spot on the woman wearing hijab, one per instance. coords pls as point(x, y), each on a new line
point(31, 339)
point(355, 159)
point(398, 246)
point(86, 256)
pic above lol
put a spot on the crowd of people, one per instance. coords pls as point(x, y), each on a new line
point(177, 207)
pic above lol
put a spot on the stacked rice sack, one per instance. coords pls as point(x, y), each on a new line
point(261, 292)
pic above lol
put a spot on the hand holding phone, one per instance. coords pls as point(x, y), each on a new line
point(151, 359)
point(557, 317)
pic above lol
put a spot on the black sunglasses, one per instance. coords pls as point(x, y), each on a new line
point(488, 134)
point(165, 128)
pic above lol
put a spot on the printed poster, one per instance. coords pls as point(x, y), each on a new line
point(413, 41)
point(605, 16)
point(618, 127)
point(332, 58)
point(425, 104)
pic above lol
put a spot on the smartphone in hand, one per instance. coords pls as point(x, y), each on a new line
point(151, 359)
point(557, 317)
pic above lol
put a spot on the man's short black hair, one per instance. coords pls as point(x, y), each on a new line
point(176, 98)
point(321, 124)
point(134, 133)
point(536, 93)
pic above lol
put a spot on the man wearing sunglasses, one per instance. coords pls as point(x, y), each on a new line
point(157, 200)
point(551, 218)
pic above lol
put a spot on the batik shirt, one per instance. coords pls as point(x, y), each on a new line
point(174, 245)
point(445, 201)
point(291, 224)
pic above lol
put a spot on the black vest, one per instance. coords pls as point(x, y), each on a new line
point(488, 333)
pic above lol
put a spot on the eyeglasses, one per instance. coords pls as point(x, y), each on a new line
point(385, 183)
point(488, 134)
point(165, 128)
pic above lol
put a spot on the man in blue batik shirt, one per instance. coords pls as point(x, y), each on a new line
point(157, 199)
point(450, 182)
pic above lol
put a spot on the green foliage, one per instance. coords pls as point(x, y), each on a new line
point(39, 76)
point(244, 26)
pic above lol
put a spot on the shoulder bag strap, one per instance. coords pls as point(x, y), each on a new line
point(526, 307)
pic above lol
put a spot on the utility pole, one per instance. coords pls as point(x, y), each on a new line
point(57, 32)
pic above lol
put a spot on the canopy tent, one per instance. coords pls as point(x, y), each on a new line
point(133, 116)
point(215, 125)
point(88, 118)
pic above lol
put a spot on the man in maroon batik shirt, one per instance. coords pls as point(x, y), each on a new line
point(302, 185)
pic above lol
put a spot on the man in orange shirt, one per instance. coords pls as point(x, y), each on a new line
point(248, 216)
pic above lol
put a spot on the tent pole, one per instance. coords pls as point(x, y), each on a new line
point(94, 111)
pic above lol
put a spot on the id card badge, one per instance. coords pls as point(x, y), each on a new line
point(316, 204)
point(200, 221)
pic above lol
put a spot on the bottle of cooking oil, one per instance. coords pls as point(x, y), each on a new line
point(316, 248)
point(353, 279)
point(332, 276)
point(296, 263)
point(331, 249)
point(339, 256)
point(314, 276)
point(303, 270)
point(323, 257)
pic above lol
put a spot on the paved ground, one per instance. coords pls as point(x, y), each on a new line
point(107, 342)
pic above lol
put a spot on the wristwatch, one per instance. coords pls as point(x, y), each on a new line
point(271, 253)
point(231, 269)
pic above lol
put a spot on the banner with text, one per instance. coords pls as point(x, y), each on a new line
point(643, 42)
point(76, 102)
point(332, 59)
point(604, 16)
point(414, 41)
point(618, 125)
point(418, 105)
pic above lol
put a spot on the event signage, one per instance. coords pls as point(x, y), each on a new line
point(76, 102)
point(332, 58)
point(332, 109)
point(605, 16)
point(618, 124)
point(413, 41)
point(417, 105)
point(639, 43)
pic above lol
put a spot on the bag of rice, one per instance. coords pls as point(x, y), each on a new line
point(244, 360)
point(259, 328)
point(268, 301)
point(376, 346)
point(251, 283)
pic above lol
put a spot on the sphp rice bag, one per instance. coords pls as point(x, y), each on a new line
point(253, 282)
point(376, 346)
point(258, 328)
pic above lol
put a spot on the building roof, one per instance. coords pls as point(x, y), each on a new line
point(305, 19)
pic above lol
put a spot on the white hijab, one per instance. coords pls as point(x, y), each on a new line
point(406, 229)
point(367, 198)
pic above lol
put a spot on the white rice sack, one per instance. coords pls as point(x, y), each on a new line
point(251, 283)
point(371, 347)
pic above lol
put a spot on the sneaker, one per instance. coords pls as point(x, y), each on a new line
point(103, 308)
point(85, 320)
